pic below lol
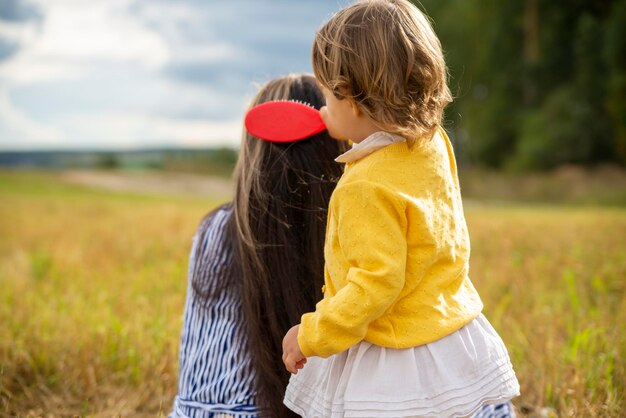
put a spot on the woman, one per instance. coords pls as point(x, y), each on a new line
point(256, 266)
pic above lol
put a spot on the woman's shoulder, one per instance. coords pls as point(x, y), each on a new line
point(215, 218)
point(213, 225)
point(210, 250)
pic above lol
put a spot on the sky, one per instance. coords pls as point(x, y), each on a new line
point(133, 74)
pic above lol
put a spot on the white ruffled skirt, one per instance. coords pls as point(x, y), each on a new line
point(451, 377)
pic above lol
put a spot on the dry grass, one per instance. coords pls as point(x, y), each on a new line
point(92, 294)
point(553, 285)
point(92, 290)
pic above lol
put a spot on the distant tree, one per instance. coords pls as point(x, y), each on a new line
point(554, 134)
point(571, 125)
point(479, 38)
point(537, 83)
point(591, 75)
point(615, 56)
point(225, 155)
point(107, 161)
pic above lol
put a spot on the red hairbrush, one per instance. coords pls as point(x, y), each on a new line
point(283, 121)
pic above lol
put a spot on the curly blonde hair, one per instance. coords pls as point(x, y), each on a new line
point(384, 55)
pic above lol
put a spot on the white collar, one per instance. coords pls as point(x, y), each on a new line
point(372, 143)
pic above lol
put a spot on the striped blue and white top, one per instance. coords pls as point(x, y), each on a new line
point(215, 377)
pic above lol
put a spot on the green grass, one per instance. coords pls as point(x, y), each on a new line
point(93, 285)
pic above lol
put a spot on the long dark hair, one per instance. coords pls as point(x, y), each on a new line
point(276, 235)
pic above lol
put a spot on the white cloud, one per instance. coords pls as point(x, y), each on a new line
point(18, 131)
point(200, 133)
point(136, 130)
point(17, 31)
point(174, 21)
point(76, 34)
point(133, 73)
point(178, 98)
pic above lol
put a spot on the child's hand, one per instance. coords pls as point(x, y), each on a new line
point(292, 356)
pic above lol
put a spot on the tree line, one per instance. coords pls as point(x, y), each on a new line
point(537, 83)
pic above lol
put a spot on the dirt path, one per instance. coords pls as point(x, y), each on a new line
point(152, 182)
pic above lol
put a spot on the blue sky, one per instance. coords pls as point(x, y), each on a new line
point(126, 74)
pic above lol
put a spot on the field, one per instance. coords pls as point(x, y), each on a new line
point(92, 285)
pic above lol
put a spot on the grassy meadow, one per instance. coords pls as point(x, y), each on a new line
point(92, 287)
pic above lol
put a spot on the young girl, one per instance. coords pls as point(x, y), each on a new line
point(256, 265)
point(399, 332)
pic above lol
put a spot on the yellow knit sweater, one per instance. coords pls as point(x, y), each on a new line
point(397, 253)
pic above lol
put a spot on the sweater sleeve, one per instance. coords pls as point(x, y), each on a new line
point(371, 236)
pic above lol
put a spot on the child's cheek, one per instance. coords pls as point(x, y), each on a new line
point(330, 125)
point(327, 120)
point(324, 114)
